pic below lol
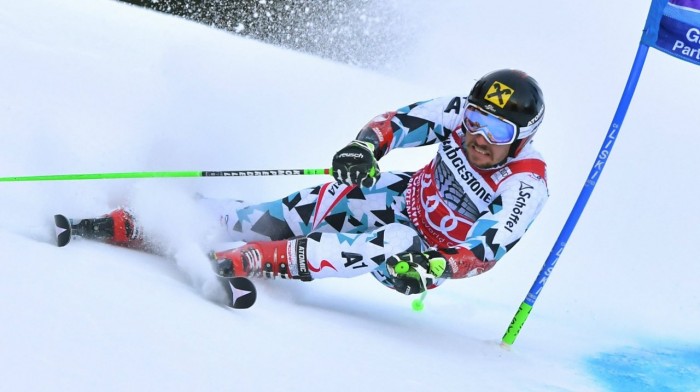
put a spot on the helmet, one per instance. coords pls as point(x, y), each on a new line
point(512, 95)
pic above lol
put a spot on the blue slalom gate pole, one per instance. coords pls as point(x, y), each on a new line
point(549, 264)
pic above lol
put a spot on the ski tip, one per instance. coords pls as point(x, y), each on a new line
point(63, 230)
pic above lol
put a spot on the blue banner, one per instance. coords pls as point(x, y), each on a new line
point(673, 26)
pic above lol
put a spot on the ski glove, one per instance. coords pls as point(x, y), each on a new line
point(355, 164)
point(412, 272)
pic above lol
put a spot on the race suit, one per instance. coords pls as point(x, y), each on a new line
point(471, 216)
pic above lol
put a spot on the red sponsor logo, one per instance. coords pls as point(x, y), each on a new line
point(437, 222)
point(324, 264)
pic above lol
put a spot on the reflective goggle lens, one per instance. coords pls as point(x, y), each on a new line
point(495, 129)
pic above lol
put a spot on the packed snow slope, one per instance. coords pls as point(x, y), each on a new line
point(91, 86)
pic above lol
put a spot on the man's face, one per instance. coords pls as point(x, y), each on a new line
point(481, 153)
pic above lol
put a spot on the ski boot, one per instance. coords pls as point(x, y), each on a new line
point(118, 227)
point(285, 259)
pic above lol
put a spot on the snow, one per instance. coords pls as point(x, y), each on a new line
point(91, 86)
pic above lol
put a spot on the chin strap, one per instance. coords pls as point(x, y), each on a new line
point(517, 146)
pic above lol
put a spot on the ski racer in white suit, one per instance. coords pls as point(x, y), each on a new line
point(454, 218)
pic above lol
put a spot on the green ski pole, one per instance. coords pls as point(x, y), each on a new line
point(168, 174)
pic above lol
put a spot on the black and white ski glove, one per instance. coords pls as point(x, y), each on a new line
point(413, 272)
point(355, 164)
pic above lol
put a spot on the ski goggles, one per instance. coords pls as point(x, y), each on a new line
point(497, 130)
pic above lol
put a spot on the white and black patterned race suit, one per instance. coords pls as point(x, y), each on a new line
point(472, 216)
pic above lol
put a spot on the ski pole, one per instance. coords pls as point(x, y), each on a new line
point(169, 174)
point(417, 303)
point(403, 267)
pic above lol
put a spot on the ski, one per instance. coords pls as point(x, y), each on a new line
point(240, 292)
point(64, 230)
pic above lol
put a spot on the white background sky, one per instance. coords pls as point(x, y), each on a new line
point(99, 86)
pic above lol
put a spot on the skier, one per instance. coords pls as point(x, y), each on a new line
point(454, 218)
